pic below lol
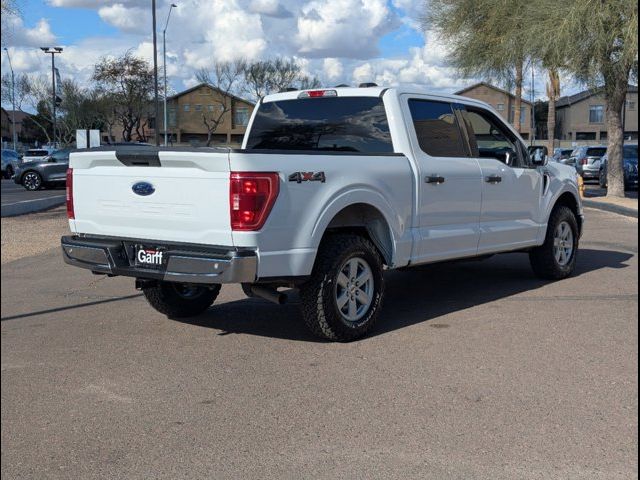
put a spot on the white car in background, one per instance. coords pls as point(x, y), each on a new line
point(36, 154)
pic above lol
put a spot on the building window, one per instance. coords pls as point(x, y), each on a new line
point(171, 117)
point(631, 105)
point(585, 135)
point(241, 116)
point(186, 107)
point(151, 123)
point(596, 114)
point(603, 135)
point(523, 114)
point(198, 108)
point(500, 107)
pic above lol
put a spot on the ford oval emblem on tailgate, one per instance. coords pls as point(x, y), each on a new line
point(143, 188)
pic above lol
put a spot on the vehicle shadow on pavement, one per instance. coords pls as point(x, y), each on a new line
point(414, 295)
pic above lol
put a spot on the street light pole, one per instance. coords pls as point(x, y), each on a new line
point(155, 71)
point(53, 51)
point(13, 102)
point(164, 65)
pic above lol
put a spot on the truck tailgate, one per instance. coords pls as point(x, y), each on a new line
point(182, 195)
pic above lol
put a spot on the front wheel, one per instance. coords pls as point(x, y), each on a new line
point(343, 298)
point(180, 300)
point(32, 181)
point(555, 259)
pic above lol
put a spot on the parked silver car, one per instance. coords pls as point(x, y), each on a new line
point(587, 161)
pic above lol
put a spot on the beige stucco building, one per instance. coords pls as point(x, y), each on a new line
point(582, 117)
point(503, 101)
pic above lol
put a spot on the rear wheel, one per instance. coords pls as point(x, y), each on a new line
point(556, 258)
point(180, 300)
point(32, 181)
point(343, 298)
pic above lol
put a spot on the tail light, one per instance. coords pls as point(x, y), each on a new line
point(318, 93)
point(584, 161)
point(251, 197)
point(70, 212)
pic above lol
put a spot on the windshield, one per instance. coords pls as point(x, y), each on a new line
point(343, 124)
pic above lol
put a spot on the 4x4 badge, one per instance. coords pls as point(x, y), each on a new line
point(300, 177)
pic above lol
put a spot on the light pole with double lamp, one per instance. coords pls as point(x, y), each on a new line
point(13, 102)
point(164, 65)
point(53, 51)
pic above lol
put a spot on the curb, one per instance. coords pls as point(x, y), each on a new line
point(31, 206)
point(608, 207)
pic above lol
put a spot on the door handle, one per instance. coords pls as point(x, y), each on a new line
point(493, 179)
point(434, 179)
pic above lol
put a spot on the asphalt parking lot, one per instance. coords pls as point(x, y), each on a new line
point(13, 193)
point(476, 370)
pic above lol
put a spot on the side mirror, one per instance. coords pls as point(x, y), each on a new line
point(540, 161)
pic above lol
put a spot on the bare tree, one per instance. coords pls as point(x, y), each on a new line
point(225, 79)
point(128, 82)
point(268, 76)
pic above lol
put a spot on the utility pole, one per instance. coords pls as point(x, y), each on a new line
point(164, 65)
point(13, 102)
point(533, 106)
point(155, 71)
point(53, 51)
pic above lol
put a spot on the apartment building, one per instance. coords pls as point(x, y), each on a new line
point(582, 117)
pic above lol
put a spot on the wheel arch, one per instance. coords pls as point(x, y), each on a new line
point(569, 200)
point(363, 219)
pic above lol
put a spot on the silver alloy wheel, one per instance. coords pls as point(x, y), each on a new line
point(563, 244)
point(354, 289)
point(31, 181)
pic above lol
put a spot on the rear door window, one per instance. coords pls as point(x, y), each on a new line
point(437, 128)
point(335, 124)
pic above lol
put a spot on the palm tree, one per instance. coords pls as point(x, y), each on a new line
point(553, 92)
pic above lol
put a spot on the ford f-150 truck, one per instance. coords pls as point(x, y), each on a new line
point(330, 188)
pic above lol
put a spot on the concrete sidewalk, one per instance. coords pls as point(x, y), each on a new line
point(622, 206)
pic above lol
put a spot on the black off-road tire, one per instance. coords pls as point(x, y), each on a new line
point(318, 295)
point(166, 298)
point(543, 260)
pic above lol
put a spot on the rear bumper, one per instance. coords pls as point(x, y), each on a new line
point(185, 264)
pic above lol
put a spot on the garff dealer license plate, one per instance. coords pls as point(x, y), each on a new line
point(147, 257)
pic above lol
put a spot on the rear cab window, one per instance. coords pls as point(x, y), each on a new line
point(332, 124)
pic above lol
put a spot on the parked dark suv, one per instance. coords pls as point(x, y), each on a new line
point(630, 165)
point(51, 170)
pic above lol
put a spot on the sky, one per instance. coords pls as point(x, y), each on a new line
point(339, 41)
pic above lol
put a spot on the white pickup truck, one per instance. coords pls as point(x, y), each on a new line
point(330, 188)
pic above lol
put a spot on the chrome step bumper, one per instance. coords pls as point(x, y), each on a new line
point(186, 263)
